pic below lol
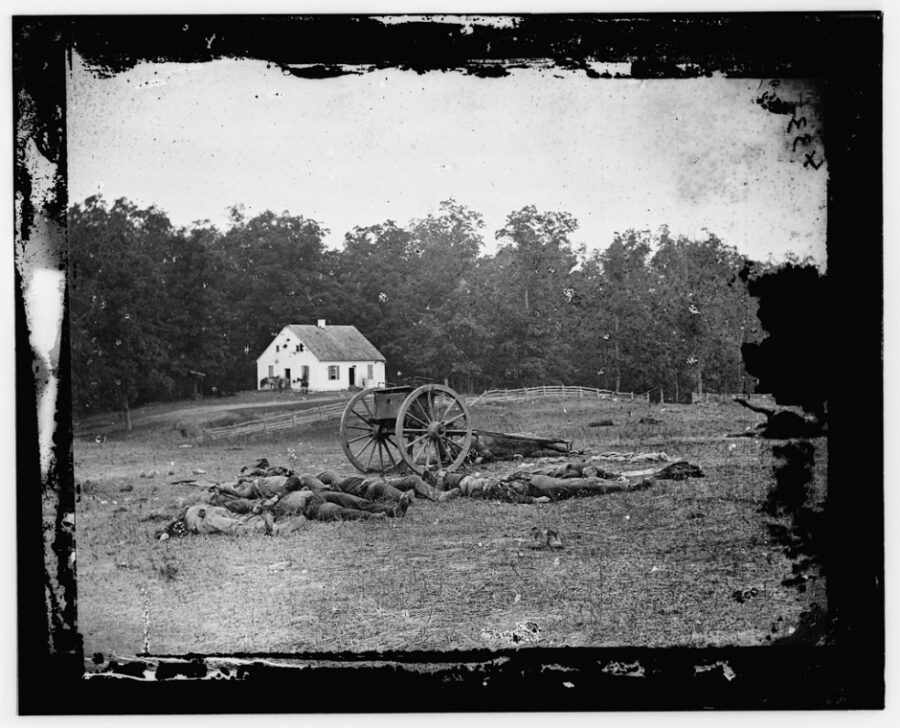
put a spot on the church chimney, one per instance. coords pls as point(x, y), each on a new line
point(321, 324)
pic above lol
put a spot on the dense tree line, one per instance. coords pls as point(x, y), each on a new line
point(150, 303)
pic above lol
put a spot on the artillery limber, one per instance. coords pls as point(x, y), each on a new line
point(394, 429)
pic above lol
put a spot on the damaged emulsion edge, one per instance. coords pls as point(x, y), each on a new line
point(40, 262)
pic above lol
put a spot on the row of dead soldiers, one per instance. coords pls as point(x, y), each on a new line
point(277, 501)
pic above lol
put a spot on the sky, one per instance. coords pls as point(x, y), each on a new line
point(194, 139)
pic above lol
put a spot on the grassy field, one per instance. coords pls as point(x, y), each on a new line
point(208, 411)
point(658, 567)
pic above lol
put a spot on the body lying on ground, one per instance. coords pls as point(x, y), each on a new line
point(327, 507)
point(527, 488)
point(214, 496)
point(226, 511)
point(379, 489)
point(543, 485)
point(262, 468)
point(502, 446)
point(271, 486)
point(578, 469)
point(282, 504)
point(311, 505)
point(207, 519)
point(240, 498)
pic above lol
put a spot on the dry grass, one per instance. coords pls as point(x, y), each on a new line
point(655, 567)
point(193, 415)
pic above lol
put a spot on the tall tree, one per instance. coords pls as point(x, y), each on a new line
point(446, 338)
point(626, 307)
point(150, 303)
point(118, 311)
point(373, 272)
point(531, 274)
point(198, 309)
point(702, 312)
point(272, 271)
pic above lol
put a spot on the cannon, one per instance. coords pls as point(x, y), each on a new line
point(400, 429)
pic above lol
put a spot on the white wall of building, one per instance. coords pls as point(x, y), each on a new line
point(320, 380)
point(283, 359)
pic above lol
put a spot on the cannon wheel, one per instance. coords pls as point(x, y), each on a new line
point(434, 429)
point(369, 445)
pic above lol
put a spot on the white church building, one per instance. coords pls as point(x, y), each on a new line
point(329, 358)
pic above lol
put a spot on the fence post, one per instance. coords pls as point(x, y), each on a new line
point(293, 419)
point(265, 427)
point(632, 396)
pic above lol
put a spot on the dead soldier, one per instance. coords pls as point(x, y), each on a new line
point(203, 519)
point(265, 487)
point(262, 468)
point(300, 501)
point(524, 487)
point(314, 507)
point(379, 489)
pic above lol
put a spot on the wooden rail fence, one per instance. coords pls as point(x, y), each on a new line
point(277, 423)
point(500, 395)
point(707, 397)
point(288, 421)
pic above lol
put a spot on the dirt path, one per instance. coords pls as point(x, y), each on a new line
point(300, 404)
point(191, 411)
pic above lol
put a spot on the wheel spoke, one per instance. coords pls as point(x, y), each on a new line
point(435, 450)
point(449, 441)
point(398, 463)
point(413, 442)
point(422, 404)
point(357, 439)
point(369, 464)
point(417, 454)
point(461, 414)
point(444, 453)
point(388, 451)
point(457, 446)
point(380, 457)
point(421, 422)
point(357, 427)
point(363, 449)
point(368, 409)
point(354, 412)
point(438, 455)
point(449, 407)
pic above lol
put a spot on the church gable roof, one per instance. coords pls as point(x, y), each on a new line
point(336, 343)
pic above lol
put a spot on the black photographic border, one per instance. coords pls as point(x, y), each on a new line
point(841, 50)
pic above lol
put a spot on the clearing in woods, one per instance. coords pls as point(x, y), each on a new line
point(658, 567)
